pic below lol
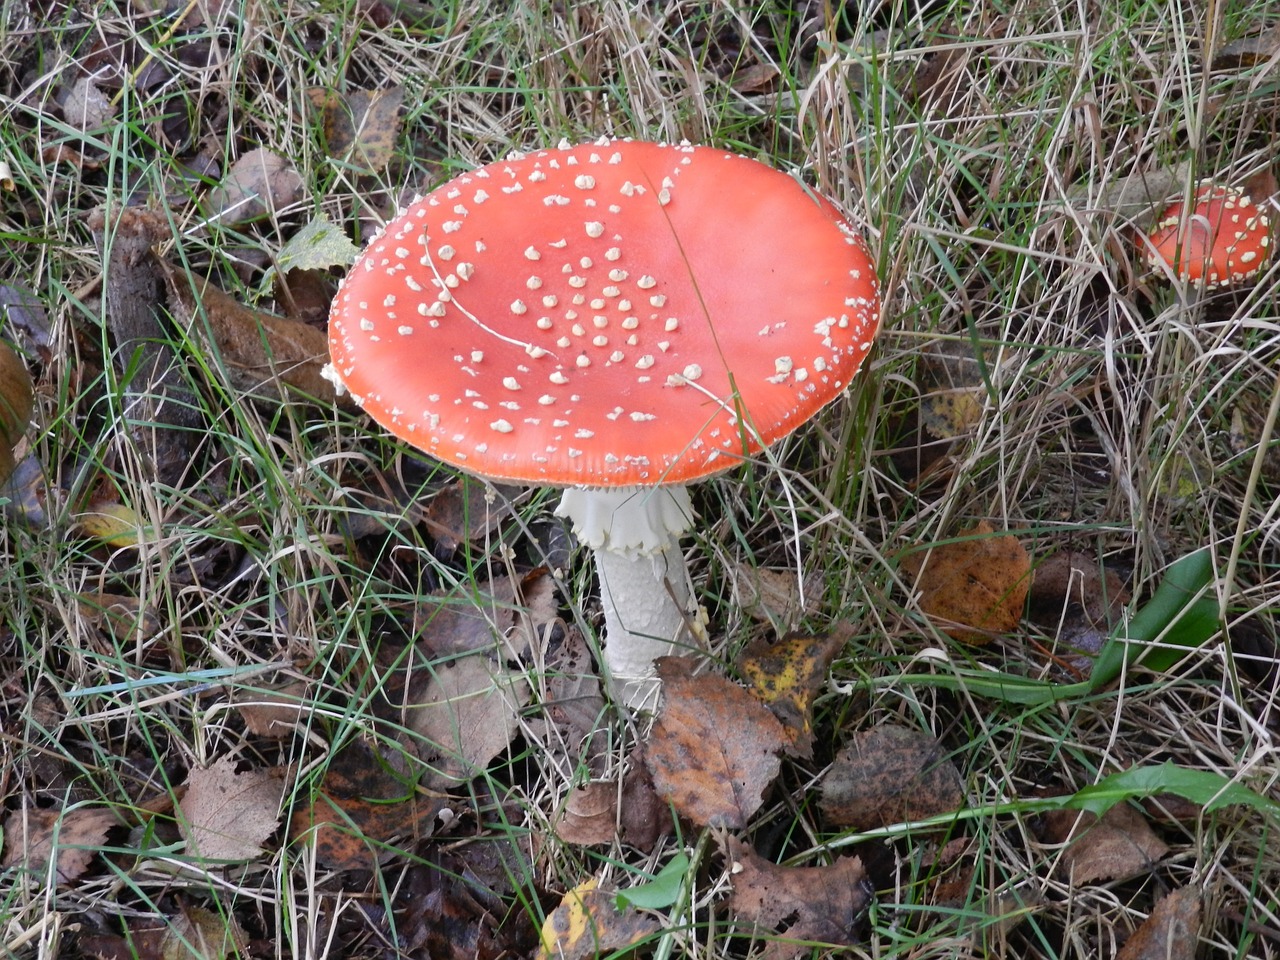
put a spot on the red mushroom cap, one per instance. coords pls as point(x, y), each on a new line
point(611, 314)
point(1226, 239)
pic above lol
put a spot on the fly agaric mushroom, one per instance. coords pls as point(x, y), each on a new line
point(619, 319)
point(1224, 240)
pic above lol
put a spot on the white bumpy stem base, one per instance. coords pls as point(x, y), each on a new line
point(644, 584)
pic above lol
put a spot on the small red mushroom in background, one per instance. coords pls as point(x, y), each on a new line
point(1224, 240)
point(617, 318)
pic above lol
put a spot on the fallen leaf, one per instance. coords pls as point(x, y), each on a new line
point(16, 399)
point(69, 837)
point(261, 351)
point(228, 815)
point(113, 523)
point(1171, 932)
point(119, 617)
point(258, 184)
point(773, 596)
point(468, 510)
point(800, 905)
point(465, 714)
point(22, 313)
point(1079, 601)
point(889, 774)
point(361, 125)
point(953, 389)
point(976, 586)
point(193, 934)
point(364, 801)
point(590, 814)
point(1119, 845)
point(273, 712)
point(785, 676)
point(318, 245)
point(588, 924)
point(714, 747)
point(86, 107)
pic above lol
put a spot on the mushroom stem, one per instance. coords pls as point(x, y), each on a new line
point(644, 584)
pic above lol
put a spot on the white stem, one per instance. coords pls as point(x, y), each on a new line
point(644, 584)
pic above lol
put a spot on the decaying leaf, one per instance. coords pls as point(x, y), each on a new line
point(16, 399)
point(465, 713)
point(714, 748)
point(601, 811)
point(273, 712)
point(364, 802)
point(773, 596)
point(1171, 932)
point(228, 815)
point(70, 838)
point(468, 510)
point(890, 774)
point(800, 905)
point(121, 617)
point(588, 924)
point(261, 351)
point(1079, 601)
point(953, 390)
point(361, 125)
point(258, 184)
point(787, 675)
point(1119, 845)
point(976, 586)
point(113, 523)
point(194, 933)
point(86, 107)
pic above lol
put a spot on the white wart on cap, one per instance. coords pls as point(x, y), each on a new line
point(612, 314)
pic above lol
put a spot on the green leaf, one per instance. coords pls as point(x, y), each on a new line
point(660, 892)
point(1176, 615)
point(1210, 790)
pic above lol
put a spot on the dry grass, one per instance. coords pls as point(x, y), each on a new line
point(992, 153)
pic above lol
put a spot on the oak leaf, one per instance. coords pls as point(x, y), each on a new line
point(714, 747)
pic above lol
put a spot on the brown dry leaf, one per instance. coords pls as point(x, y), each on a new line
point(954, 393)
point(259, 183)
point(773, 596)
point(588, 924)
point(890, 774)
point(260, 350)
point(468, 510)
point(1171, 932)
point(810, 904)
point(86, 107)
point(714, 748)
point(16, 399)
point(1120, 845)
point(273, 712)
point(787, 675)
point(361, 125)
point(590, 814)
point(228, 815)
point(976, 586)
point(1079, 601)
point(757, 78)
point(119, 617)
point(193, 934)
point(466, 713)
point(364, 802)
point(72, 836)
